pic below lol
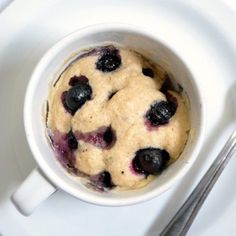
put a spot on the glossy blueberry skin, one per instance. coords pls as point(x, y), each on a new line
point(109, 61)
point(150, 161)
point(76, 96)
point(161, 112)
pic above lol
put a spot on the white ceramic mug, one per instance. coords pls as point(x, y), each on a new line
point(50, 175)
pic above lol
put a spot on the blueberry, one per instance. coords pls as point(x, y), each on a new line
point(109, 61)
point(150, 161)
point(161, 112)
point(72, 141)
point(148, 72)
point(78, 79)
point(76, 96)
point(105, 178)
point(102, 180)
point(109, 136)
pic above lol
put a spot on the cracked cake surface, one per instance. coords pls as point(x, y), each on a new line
point(113, 118)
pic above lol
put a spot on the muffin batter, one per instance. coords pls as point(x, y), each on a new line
point(113, 117)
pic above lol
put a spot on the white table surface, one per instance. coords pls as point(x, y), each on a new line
point(61, 213)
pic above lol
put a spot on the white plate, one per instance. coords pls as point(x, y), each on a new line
point(203, 32)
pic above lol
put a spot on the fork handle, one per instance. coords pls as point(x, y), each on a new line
point(183, 219)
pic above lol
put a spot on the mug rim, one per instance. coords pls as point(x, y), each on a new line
point(47, 170)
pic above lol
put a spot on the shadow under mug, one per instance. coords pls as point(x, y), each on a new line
point(50, 175)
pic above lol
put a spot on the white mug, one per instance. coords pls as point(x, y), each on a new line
point(50, 175)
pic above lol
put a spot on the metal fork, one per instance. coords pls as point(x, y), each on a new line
point(183, 219)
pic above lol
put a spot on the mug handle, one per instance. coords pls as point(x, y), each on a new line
point(35, 189)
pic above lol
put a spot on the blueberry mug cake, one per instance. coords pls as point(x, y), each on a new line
point(116, 119)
